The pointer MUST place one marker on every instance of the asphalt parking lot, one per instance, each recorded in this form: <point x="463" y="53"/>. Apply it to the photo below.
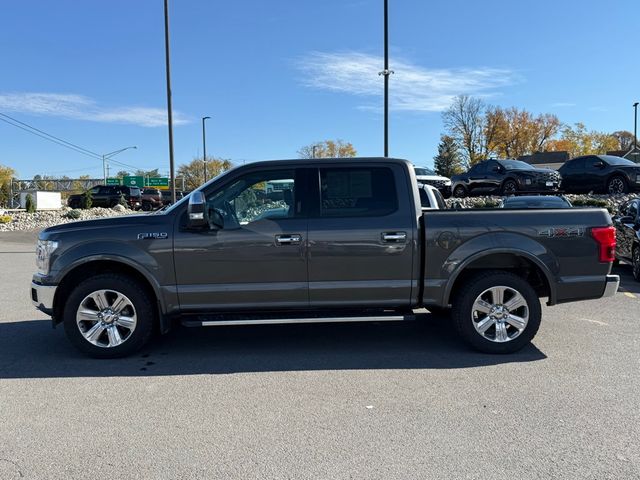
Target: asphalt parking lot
<point x="370" y="401"/>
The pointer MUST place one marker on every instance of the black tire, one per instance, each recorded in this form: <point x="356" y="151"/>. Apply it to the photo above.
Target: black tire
<point x="146" y="206"/>
<point x="617" y="185"/>
<point x="463" y="311"/>
<point x="635" y="263"/>
<point x="143" y="311"/>
<point x="459" y="191"/>
<point x="509" y="187"/>
<point x="74" y="204"/>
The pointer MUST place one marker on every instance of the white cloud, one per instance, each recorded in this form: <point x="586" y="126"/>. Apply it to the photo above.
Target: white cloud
<point x="80" y="107"/>
<point x="412" y="87"/>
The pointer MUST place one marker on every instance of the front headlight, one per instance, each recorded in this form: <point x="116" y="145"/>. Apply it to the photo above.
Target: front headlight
<point x="447" y="183"/>
<point x="44" y="249"/>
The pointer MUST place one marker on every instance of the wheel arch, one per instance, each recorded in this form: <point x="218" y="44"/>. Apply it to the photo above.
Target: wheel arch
<point x="522" y="263"/>
<point x="95" y="266"/>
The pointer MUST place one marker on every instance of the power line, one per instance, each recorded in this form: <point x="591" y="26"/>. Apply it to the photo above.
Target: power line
<point x="50" y="139"/>
<point x="58" y="139"/>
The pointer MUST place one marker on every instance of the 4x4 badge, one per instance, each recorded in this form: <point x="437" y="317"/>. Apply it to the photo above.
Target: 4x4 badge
<point x="154" y="235"/>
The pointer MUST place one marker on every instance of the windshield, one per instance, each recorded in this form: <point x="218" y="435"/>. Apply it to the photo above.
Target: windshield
<point x="424" y="171"/>
<point x="612" y="160"/>
<point x="515" y="165"/>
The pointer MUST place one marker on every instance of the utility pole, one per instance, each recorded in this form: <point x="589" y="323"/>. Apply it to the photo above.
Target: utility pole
<point x="204" y="148"/>
<point x="635" y="126"/>
<point x="313" y="150"/>
<point x="169" y="110"/>
<point x="386" y="72"/>
<point x="107" y="156"/>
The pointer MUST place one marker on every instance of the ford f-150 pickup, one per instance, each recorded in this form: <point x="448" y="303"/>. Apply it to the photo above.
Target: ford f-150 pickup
<point x="332" y="240"/>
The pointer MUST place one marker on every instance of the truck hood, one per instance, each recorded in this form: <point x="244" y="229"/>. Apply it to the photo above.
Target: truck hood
<point x="143" y="220"/>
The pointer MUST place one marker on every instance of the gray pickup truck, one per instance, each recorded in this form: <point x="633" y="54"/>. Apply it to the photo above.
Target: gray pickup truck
<point x="333" y="240"/>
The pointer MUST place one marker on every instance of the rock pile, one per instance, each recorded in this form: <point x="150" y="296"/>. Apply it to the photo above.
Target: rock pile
<point x="24" y="221"/>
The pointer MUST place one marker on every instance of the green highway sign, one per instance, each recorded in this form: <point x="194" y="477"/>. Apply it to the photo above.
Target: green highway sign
<point x="113" y="181"/>
<point x="157" y="182"/>
<point x="133" y="181"/>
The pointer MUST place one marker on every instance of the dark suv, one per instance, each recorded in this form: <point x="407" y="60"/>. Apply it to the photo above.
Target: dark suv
<point x="627" y="223"/>
<point x="504" y="177"/>
<point x="600" y="173"/>
<point x="107" y="196"/>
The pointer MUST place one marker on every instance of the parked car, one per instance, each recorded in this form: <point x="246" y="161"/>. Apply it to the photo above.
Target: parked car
<point x="166" y="196"/>
<point x="355" y="246"/>
<point x="504" y="177"/>
<point x="600" y="173"/>
<point x="151" y="199"/>
<point x="535" y="201"/>
<point x="431" y="198"/>
<point x="627" y="223"/>
<point x="107" y="196"/>
<point x="429" y="177"/>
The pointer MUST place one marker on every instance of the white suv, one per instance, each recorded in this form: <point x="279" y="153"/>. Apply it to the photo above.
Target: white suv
<point x="427" y="176"/>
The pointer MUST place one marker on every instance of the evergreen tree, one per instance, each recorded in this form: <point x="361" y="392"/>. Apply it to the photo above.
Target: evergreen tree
<point x="447" y="163"/>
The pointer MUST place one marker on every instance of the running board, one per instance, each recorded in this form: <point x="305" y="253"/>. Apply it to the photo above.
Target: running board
<point x="281" y="321"/>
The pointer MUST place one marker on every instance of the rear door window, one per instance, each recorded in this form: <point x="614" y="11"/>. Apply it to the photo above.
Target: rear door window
<point x="357" y="192"/>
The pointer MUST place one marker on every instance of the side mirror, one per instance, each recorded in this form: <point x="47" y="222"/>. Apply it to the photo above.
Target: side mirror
<point x="599" y="165"/>
<point x="196" y="211"/>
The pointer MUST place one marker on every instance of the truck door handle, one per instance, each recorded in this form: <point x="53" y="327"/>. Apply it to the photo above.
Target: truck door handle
<point x="293" y="239"/>
<point x="394" y="237"/>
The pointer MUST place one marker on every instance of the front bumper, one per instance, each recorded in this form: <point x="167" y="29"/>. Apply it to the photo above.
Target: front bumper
<point x="611" y="285"/>
<point x="42" y="296"/>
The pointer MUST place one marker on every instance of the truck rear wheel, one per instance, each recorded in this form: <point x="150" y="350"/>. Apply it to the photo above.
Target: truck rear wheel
<point x="497" y="312"/>
<point x="108" y="316"/>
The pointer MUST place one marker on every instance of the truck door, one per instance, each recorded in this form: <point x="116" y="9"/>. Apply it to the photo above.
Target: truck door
<point x="361" y="236"/>
<point x="258" y="259"/>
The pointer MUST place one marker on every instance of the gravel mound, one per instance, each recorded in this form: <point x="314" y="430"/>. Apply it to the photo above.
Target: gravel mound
<point x="23" y="221"/>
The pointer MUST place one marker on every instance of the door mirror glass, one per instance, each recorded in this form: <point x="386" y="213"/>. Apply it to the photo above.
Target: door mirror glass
<point x="599" y="164"/>
<point x="196" y="211"/>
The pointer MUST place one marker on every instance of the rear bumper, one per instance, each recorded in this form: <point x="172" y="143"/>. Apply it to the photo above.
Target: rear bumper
<point x="42" y="297"/>
<point x="611" y="285"/>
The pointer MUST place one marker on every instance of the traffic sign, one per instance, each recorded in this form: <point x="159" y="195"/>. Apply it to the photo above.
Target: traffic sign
<point x="133" y="181"/>
<point x="113" y="181"/>
<point x="157" y="182"/>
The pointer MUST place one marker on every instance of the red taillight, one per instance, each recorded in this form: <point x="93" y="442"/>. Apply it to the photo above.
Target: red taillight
<point x="606" y="238"/>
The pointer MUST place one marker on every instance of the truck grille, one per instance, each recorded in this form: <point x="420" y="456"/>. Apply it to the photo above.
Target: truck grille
<point x="434" y="183"/>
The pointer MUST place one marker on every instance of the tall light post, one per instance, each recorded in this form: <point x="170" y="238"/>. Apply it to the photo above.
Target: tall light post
<point x="169" y="109"/>
<point x="204" y="148"/>
<point x="635" y="126"/>
<point x="386" y="72"/>
<point x="107" y="156"/>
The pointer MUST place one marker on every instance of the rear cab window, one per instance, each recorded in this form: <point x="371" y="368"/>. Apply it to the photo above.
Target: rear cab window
<point x="357" y="192"/>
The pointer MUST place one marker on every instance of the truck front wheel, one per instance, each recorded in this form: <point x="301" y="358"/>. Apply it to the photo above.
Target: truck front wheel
<point x="108" y="316"/>
<point x="497" y="312"/>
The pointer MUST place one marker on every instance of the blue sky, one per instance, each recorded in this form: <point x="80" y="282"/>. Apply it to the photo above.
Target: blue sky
<point x="276" y="75"/>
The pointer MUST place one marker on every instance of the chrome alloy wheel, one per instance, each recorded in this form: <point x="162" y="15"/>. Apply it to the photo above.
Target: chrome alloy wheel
<point x="106" y="318"/>
<point x="500" y="314"/>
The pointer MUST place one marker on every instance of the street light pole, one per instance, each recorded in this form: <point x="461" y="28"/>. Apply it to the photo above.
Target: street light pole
<point x="169" y="109"/>
<point x="204" y="148"/>
<point x="635" y="126"/>
<point x="386" y="72"/>
<point x="107" y="156"/>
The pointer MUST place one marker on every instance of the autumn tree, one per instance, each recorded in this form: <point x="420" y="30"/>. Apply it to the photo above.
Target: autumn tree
<point x="577" y="140"/>
<point x="447" y="163"/>
<point x="6" y="175"/>
<point x="193" y="172"/>
<point x="328" y="149"/>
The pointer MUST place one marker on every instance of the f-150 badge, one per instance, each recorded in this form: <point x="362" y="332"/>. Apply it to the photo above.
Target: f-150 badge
<point x="153" y="236"/>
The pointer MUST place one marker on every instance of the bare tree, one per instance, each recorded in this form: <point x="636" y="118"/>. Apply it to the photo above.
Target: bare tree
<point x="464" y="120"/>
